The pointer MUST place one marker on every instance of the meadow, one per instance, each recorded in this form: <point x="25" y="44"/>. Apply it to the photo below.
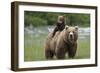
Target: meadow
<point x="34" y="39"/>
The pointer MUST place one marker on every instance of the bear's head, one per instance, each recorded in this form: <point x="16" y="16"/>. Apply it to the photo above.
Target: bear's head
<point x="71" y="33"/>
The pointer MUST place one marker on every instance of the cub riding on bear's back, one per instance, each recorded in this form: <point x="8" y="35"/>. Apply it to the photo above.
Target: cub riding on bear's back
<point x="62" y="42"/>
<point x="60" y="25"/>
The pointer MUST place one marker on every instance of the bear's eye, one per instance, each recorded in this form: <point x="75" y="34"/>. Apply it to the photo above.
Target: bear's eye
<point x="68" y="31"/>
<point x="73" y="31"/>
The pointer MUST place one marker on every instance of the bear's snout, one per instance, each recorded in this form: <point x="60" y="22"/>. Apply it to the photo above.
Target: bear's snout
<point x="71" y="35"/>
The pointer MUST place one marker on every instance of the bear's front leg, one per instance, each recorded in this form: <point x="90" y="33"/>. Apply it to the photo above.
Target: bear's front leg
<point x="72" y="50"/>
<point x="60" y="53"/>
<point x="49" y="54"/>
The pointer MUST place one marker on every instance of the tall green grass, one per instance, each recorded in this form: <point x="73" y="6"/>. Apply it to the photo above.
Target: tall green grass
<point x="34" y="48"/>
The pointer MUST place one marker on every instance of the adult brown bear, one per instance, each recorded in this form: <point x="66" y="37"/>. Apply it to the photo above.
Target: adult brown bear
<point x="63" y="42"/>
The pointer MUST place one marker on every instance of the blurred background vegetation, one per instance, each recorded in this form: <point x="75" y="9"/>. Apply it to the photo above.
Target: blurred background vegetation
<point x="50" y="18"/>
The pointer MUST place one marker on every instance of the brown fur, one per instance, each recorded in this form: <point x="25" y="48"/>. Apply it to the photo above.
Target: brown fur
<point x="60" y="44"/>
<point x="60" y="25"/>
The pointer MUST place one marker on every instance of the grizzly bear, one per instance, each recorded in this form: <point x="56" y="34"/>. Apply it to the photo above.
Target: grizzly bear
<point x="63" y="42"/>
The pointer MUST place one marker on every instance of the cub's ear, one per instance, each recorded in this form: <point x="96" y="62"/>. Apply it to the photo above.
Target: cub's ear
<point x="76" y="28"/>
<point x="66" y="27"/>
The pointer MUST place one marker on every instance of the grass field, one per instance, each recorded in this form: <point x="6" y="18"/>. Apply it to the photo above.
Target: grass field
<point x="34" y="47"/>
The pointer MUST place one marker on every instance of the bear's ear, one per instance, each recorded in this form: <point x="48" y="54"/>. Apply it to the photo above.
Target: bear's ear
<point x="76" y="28"/>
<point x="66" y="27"/>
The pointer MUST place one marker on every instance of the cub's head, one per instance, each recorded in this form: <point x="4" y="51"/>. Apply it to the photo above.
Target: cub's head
<point x="71" y="33"/>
